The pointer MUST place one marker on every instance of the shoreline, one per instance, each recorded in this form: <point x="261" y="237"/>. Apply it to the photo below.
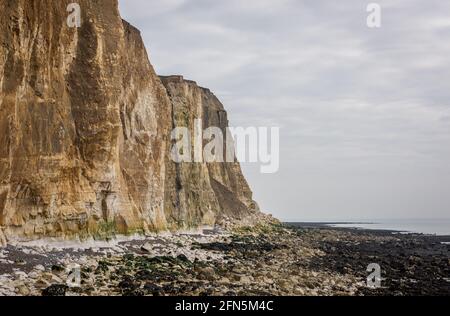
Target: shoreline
<point x="331" y="225"/>
<point x="270" y="260"/>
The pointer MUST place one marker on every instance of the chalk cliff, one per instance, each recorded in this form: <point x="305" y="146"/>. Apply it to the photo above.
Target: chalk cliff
<point x="85" y="127"/>
<point x="203" y="192"/>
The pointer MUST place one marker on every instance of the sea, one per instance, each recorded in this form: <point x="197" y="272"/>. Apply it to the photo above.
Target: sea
<point x="438" y="227"/>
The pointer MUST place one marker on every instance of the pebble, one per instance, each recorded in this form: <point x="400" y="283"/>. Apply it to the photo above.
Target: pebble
<point x="280" y="262"/>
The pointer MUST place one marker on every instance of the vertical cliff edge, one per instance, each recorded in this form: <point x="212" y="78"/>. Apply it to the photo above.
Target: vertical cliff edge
<point x="85" y="128"/>
<point x="203" y="192"/>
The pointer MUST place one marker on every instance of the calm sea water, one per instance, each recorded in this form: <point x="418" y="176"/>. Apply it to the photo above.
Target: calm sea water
<point x="423" y="226"/>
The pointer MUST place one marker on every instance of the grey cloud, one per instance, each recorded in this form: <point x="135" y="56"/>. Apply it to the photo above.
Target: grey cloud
<point x="364" y="112"/>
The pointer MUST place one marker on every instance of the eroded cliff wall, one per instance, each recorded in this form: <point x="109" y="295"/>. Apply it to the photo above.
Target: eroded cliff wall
<point x="85" y="131"/>
<point x="203" y="192"/>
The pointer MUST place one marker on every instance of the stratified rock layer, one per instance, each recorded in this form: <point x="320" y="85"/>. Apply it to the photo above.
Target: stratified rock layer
<point x="84" y="131"/>
<point x="203" y="192"/>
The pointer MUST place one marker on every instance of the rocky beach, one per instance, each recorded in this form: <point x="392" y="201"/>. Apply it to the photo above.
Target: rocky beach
<point x="97" y="199"/>
<point x="267" y="260"/>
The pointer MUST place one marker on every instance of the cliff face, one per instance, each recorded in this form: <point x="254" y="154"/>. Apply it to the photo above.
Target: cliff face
<point x="202" y="192"/>
<point x="85" y="131"/>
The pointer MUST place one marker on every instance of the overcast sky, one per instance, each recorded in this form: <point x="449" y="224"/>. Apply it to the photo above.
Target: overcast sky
<point x="364" y="113"/>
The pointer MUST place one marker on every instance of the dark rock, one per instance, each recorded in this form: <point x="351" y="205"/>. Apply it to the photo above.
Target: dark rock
<point x="58" y="268"/>
<point x="55" y="290"/>
<point x="128" y="283"/>
<point x="153" y="289"/>
<point x="183" y="258"/>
